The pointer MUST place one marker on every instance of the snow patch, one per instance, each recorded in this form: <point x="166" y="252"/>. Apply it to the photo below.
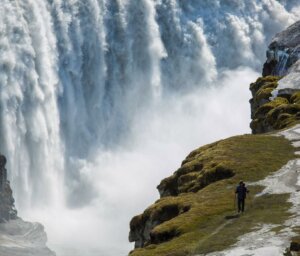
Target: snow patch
<point x="261" y="242"/>
<point x="296" y="144"/>
<point x="292" y="79"/>
<point x="280" y="182"/>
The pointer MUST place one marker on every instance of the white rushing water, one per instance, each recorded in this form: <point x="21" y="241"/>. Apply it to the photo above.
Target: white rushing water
<point x="101" y="99"/>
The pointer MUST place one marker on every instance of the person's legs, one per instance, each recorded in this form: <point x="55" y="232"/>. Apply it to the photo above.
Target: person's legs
<point x="243" y="204"/>
<point x="239" y="205"/>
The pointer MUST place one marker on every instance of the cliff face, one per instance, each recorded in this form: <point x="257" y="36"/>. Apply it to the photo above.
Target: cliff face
<point x="18" y="237"/>
<point x="195" y="214"/>
<point x="7" y="208"/>
<point x="276" y="96"/>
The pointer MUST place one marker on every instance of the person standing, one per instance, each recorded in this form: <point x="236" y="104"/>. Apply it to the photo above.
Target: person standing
<point x="241" y="193"/>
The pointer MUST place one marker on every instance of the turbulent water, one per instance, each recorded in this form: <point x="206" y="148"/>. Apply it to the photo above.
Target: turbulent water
<point x="96" y="94"/>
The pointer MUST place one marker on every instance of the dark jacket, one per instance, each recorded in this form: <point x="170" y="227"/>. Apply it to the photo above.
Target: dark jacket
<point x="241" y="192"/>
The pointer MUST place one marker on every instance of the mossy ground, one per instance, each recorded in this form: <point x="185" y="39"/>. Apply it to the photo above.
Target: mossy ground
<point x="251" y="157"/>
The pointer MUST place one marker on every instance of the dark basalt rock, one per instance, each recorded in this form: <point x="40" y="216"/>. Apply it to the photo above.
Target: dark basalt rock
<point x="295" y="247"/>
<point x="17" y="236"/>
<point x="142" y="226"/>
<point x="7" y="208"/>
<point x="269" y="67"/>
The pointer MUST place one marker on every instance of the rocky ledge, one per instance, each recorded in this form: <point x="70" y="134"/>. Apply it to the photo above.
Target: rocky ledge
<point x="273" y="109"/>
<point x="275" y="102"/>
<point x="17" y="237"/>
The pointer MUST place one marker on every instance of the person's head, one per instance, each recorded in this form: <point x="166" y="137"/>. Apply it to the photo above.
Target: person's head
<point x="241" y="183"/>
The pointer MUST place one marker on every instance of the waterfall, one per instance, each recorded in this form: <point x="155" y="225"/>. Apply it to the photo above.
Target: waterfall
<point x="283" y="58"/>
<point x="30" y="121"/>
<point x="76" y="75"/>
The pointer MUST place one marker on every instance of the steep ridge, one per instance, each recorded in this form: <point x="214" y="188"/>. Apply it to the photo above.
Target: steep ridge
<point x="196" y="213"/>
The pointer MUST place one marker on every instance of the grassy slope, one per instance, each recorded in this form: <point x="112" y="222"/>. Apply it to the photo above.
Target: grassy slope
<point x="251" y="157"/>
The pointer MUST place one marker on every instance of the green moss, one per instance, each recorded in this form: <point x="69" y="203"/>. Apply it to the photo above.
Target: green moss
<point x="267" y="107"/>
<point x="284" y="115"/>
<point x="264" y="80"/>
<point x="194" y="174"/>
<point x="277" y="114"/>
<point x="273" y="114"/>
<point x="265" y="89"/>
<point x="263" y="94"/>
<point x="251" y="158"/>
<point x="295" y="98"/>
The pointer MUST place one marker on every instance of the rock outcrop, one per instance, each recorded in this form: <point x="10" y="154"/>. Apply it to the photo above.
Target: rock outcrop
<point x="17" y="237"/>
<point x="7" y="208"/>
<point x="193" y="176"/>
<point x="283" y="51"/>
<point x="275" y="102"/>
<point x="271" y="112"/>
<point x="142" y="226"/>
